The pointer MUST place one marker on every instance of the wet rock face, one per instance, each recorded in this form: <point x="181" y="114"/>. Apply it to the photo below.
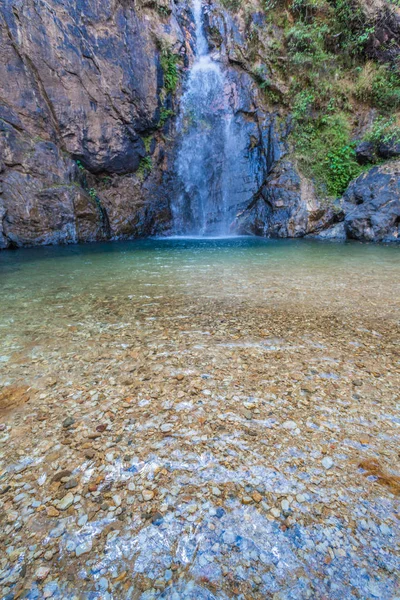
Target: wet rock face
<point x="82" y="94"/>
<point x="86" y="76"/>
<point x="81" y="83"/>
<point x="371" y="205"/>
<point x="287" y="206"/>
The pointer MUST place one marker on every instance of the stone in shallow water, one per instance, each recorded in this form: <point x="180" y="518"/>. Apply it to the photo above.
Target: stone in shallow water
<point x="51" y="511"/>
<point x="148" y="495"/>
<point x="83" y="548"/>
<point x="327" y="462"/>
<point x="41" y="573"/>
<point x="68" y="422"/>
<point x="66" y="502"/>
<point x="165" y="427"/>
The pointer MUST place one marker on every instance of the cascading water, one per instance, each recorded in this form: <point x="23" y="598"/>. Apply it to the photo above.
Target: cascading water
<point x="201" y="206"/>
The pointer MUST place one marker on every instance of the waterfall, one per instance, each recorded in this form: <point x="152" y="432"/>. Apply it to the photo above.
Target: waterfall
<point x="201" y="206"/>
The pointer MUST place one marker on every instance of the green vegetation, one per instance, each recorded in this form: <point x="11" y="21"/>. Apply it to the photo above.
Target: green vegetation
<point x="165" y="114"/>
<point x="170" y="70"/>
<point x="147" y="142"/>
<point x="324" y="150"/>
<point x="317" y="68"/>
<point x="384" y="130"/>
<point x="145" y="167"/>
<point x="379" y="86"/>
<point x="232" y="5"/>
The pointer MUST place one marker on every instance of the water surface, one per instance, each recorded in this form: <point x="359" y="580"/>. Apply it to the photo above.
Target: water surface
<point x="222" y="412"/>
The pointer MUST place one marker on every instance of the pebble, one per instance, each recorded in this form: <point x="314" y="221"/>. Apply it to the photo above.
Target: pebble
<point x="71" y="483"/>
<point x="165" y="427"/>
<point x="68" y="422"/>
<point x="117" y="500"/>
<point x="327" y="462"/>
<point x="103" y="584"/>
<point x="285" y="505"/>
<point x="66" y="501"/>
<point x="147" y="495"/>
<point x="41" y="573"/>
<point x="83" y="548"/>
<point x="216" y="491"/>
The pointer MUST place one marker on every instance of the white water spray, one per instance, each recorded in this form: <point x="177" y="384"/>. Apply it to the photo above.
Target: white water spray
<point x="203" y="161"/>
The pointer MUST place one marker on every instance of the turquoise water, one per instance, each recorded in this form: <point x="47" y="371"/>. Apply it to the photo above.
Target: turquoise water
<point x="237" y="269"/>
<point x="222" y="373"/>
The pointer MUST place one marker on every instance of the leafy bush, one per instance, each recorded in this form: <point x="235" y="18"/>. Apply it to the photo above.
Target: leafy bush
<point x="343" y="167"/>
<point x="165" y="114"/>
<point x="323" y="148"/>
<point x="233" y="5"/>
<point x="170" y="70"/>
<point x="145" y="167"/>
<point x="378" y="85"/>
<point x="384" y="130"/>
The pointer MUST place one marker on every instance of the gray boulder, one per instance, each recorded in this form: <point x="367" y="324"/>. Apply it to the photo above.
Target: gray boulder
<point x="371" y="205"/>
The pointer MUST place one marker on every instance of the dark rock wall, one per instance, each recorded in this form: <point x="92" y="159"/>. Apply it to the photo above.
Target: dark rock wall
<point x="81" y="94"/>
<point x="80" y="81"/>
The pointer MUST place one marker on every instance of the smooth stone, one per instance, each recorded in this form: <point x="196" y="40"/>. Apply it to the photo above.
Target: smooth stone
<point x="66" y="502"/>
<point x="148" y="495"/>
<point x="327" y="462"/>
<point x="165" y="427"/>
<point x="41" y="573"/>
<point x="83" y="548"/>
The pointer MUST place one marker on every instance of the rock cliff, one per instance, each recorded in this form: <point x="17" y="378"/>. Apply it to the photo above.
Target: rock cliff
<point x="90" y="93"/>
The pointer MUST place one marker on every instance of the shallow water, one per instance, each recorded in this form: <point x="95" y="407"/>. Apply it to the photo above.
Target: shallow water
<point x="215" y="375"/>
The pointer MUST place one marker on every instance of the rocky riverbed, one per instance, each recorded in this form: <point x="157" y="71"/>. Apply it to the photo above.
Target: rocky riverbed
<point x="206" y="424"/>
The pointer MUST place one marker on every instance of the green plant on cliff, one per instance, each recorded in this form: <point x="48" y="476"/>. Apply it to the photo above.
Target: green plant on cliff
<point x="233" y="5"/>
<point x="323" y="147"/>
<point x="145" y="167"/>
<point x="378" y="85"/>
<point x="168" y="63"/>
<point x="165" y="114"/>
<point x="383" y="130"/>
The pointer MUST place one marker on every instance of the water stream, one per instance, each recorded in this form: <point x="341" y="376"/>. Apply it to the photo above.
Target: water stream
<point x="207" y="151"/>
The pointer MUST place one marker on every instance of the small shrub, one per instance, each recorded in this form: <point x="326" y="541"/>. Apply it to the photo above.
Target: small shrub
<point x="170" y="70"/>
<point x="378" y="85"/>
<point x="165" y="114"/>
<point x="323" y="148"/>
<point x="384" y="130"/>
<point x="343" y="167"/>
<point x="232" y="5"/>
<point x="145" y="167"/>
<point x="147" y="142"/>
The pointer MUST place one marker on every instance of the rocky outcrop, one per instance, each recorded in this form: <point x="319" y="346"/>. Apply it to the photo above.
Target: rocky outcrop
<point x="88" y="134"/>
<point x="371" y="205"/>
<point x="82" y="84"/>
<point x="287" y="206"/>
